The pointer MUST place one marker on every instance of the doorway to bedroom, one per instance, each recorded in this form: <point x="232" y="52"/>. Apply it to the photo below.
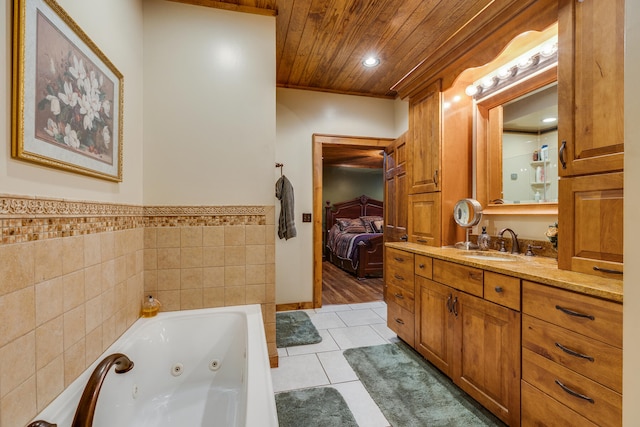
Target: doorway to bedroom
<point x="345" y="168"/>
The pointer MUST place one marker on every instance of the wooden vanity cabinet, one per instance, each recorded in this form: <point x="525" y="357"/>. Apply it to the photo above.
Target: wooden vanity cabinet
<point x="474" y="341"/>
<point x="571" y="358"/>
<point x="400" y="293"/>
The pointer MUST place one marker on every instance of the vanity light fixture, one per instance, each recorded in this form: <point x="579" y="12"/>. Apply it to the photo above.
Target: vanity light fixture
<point x="371" y="62"/>
<point x="528" y="64"/>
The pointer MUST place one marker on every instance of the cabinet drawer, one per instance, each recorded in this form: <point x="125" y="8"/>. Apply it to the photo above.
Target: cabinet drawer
<point x="399" y="269"/>
<point x="590" y="399"/>
<point x="501" y="289"/>
<point x="586" y="315"/>
<point x="424" y="266"/>
<point x="538" y="409"/>
<point x="402" y="322"/>
<point x="401" y="297"/>
<point x="591" y="358"/>
<point x="467" y="279"/>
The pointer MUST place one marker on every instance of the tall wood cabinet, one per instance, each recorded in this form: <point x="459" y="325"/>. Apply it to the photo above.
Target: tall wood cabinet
<point x="591" y="135"/>
<point x="395" y="188"/>
<point x="439" y="163"/>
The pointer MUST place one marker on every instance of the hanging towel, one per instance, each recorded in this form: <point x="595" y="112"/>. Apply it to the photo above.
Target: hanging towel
<point x="286" y="224"/>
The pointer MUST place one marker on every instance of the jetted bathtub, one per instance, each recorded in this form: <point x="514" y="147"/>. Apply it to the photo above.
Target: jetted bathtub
<point x="206" y="367"/>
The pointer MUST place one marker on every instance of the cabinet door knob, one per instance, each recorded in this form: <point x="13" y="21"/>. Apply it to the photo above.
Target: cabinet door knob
<point x="499" y="289"/>
<point x="398" y="295"/>
<point x="399" y="277"/>
<point x="420" y="265"/>
<point x="400" y="321"/>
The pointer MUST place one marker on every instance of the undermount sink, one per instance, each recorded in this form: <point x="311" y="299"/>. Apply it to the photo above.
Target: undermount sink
<point x="491" y="256"/>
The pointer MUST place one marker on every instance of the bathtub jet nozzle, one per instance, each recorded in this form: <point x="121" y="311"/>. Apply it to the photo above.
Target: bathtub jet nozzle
<point x="87" y="405"/>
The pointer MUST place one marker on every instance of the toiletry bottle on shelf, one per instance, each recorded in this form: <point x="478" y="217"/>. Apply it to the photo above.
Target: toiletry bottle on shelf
<point x="484" y="240"/>
<point x="539" y="174"/>
<point x="544" y="153"/>
<point x="536" y="197"/>
<point x="150" y="306"/>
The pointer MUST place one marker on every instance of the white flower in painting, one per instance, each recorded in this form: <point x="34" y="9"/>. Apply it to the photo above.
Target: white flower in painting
<point x="106" y="136"/>
<point x="52" y="66"/>
<point x="106" y="107"/>
<point x="52" y="128"/>
<point x="69" y="97"/>
<point x="78" y="71"/>
<point x="55" y="104"/>
<point x="71" y="137"/>
<point x="87" y="110"/>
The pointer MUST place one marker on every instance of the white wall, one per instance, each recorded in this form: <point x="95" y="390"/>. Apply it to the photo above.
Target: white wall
<point x="209" y="106"/>
<point x="116" y="28"/>
<point x="631" y="352"/>
<point x="300" y="114"/>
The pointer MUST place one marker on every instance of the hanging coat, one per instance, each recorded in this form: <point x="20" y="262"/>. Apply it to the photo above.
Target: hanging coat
<point x="286" y="224"/>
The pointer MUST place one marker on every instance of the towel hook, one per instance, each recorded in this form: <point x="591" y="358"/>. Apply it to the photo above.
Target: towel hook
<point x="280" y="165"/>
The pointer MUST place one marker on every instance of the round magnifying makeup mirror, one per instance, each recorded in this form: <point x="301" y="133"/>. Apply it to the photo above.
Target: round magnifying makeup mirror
<point x="467" y="213"/>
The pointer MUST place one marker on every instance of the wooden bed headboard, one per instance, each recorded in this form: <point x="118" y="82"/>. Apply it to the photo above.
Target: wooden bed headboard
<point x="355" y="208"/>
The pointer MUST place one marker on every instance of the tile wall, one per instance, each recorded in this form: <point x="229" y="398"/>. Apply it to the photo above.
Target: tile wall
<point x="201" y="257"/>
<point x="73" y="274"/>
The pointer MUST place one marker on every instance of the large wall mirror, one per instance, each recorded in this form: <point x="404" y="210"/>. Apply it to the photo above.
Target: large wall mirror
<point x="517" y="147"/>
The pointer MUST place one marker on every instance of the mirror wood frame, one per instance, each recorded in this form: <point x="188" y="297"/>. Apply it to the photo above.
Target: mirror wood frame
<point x="489" y="149"/>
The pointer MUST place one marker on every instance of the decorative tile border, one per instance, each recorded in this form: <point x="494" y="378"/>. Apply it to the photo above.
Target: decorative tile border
<point x="20" y="207"/>
<point x="25" y="219"/>
<point x="203" y="210"/>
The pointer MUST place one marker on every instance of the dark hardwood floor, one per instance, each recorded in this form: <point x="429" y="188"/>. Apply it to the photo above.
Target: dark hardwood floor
<point x="340" y="287"/>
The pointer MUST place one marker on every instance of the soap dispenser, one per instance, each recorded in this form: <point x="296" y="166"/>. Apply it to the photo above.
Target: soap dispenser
<point x="150" y="306"/>
<point x="484" y="240"/>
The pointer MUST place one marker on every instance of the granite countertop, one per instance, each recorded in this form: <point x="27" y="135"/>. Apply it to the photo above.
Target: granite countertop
<point x="536" y="269"/>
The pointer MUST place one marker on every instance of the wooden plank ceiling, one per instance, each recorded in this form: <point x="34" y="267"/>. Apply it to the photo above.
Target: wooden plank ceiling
<point x="321" y="43"/>
<point x="352" y="156"/>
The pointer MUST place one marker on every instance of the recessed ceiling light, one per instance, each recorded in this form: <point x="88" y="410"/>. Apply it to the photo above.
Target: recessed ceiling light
<point x="371" y="62"/>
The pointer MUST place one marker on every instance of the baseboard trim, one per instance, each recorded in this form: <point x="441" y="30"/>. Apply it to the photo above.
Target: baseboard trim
<point x="295" y="306"/>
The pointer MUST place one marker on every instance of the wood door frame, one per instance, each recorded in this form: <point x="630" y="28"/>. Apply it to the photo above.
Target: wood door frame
<point x="318" y="141"/>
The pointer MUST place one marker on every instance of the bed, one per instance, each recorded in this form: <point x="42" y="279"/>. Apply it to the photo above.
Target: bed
<point x="353" y="236"/>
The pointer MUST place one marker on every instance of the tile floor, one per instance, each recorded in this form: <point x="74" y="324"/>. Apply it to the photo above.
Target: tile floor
<point x="322" y="364"/>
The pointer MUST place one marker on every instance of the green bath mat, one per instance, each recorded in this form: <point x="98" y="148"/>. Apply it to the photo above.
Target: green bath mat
<point x="314" y="407"/>
<point x="295" y="328"/>
<point x="411" y="392"/>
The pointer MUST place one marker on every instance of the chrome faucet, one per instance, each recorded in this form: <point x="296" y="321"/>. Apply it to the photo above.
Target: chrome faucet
<point x="87" y="406"/>
<point x="515" y="247"/>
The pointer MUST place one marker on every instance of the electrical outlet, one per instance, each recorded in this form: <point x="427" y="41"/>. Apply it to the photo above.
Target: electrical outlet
<point x="306" y="217"/>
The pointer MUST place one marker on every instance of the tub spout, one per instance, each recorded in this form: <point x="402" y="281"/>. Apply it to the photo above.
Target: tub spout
<point x="87" y="406"/>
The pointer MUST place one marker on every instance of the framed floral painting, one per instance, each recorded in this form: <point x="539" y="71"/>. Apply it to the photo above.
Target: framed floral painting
<point x="67" y="95"/>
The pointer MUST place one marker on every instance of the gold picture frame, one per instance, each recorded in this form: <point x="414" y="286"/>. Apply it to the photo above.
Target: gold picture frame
<point x="67" y="96"/>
